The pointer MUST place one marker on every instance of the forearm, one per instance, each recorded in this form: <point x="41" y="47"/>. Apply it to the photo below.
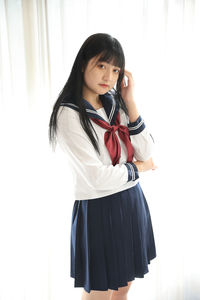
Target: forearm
<point x="132" y="111"/>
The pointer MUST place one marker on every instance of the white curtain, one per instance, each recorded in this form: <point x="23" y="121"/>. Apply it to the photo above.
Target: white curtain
<point x="39" y="41"/>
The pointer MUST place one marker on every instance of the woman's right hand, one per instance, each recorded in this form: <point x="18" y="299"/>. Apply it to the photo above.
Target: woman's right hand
<point x="145" y="165"/>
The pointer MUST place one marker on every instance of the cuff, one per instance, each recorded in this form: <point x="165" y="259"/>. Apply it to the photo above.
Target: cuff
<point x="136" y="127"/>
<point x="133" y="172"/>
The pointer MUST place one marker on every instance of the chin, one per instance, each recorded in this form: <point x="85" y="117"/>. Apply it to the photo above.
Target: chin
<point x="102" y="92"/>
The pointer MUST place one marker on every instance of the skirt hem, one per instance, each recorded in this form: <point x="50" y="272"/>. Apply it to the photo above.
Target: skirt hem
<point x="112" y="286"/>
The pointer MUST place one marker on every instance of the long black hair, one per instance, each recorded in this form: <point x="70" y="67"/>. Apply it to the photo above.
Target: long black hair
<point x="109" y="49"/>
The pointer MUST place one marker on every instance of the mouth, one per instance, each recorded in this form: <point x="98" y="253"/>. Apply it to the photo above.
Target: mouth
<point x="104" y="85"/>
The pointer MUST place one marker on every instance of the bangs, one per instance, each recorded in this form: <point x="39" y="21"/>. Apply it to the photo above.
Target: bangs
<point x="112" y="56"/>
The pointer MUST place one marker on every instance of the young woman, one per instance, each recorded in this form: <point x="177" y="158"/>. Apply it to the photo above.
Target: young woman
<point x="112" y="240"/>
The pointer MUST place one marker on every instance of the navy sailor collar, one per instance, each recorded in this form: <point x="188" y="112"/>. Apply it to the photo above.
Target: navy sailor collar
<point x="109" y="103"/>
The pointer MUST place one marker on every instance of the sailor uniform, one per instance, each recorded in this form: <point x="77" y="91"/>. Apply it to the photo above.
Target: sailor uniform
<point x="112" y="239"/>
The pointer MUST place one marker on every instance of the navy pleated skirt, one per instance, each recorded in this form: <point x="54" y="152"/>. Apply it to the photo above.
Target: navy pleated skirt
<point x="112" y="240"/>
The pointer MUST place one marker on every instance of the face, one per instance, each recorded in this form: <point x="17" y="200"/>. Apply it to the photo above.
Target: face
<point x="97" y="74"/>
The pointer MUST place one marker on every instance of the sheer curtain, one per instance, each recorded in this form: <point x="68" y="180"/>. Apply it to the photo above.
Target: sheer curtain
<point x="38" y="44"/>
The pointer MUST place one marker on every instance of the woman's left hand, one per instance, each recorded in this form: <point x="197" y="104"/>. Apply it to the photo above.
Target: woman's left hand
<point x="127" y="91"/>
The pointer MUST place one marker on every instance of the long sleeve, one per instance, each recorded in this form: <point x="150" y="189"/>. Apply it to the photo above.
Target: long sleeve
<point x="84" y="158"/>
<point x="141" y="139"/>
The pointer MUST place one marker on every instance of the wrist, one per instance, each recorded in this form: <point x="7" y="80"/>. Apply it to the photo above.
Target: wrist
<point x="139" y="166"/>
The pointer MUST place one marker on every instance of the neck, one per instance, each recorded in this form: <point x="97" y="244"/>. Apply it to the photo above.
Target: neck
<point x="91" y="97"/>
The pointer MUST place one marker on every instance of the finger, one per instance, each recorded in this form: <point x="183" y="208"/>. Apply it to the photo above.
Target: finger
<point x="122" y="83"/>
<point x="128" y="74"/>
<point x="154" y="168"/>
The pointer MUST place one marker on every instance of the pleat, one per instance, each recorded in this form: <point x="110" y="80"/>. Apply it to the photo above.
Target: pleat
<point x="112" y="240"/>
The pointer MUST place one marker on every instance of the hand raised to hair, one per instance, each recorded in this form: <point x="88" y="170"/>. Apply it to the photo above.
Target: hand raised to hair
<point x="127" y="91"/>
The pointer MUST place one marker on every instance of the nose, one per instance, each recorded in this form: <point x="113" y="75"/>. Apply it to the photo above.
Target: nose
<point x="107" y="76"/>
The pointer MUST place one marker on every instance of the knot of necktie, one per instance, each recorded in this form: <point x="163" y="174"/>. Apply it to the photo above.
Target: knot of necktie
<point x="112" y="142"/>
<point x="113" y="128"/>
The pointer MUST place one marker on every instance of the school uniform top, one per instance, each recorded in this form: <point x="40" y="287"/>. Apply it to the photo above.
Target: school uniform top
<point x="95" y="175"/>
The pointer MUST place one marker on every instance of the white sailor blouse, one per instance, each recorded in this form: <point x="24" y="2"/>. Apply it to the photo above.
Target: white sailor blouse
<point x="95" y="175"/>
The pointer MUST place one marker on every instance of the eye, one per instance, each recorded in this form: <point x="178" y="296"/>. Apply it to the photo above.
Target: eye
<point x="117" y="70"/>
<point x="101" y="65"/>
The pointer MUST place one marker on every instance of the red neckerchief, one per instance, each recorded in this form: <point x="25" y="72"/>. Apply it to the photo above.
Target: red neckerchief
<point x="111" y="140"/>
